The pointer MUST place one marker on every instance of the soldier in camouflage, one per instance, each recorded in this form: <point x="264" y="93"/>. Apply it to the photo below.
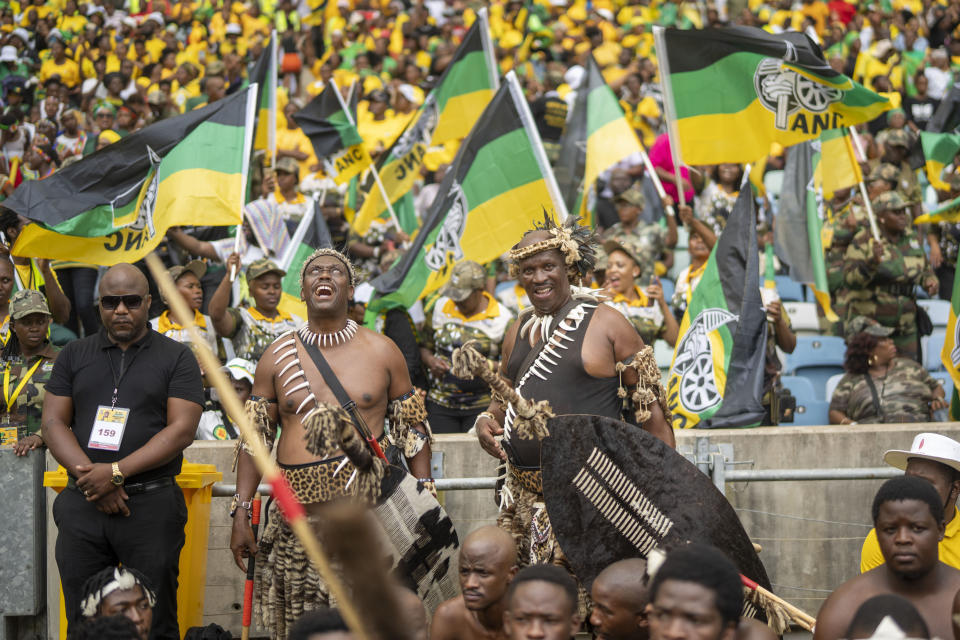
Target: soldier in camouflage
<point x="882" y="276"/>
<point x="903" y="391"/>
<point x="651" y="240"/>
<point x="896" y="151"/>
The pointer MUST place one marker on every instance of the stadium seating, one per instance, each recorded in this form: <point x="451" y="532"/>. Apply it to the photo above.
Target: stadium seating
<point x="681" y="259"/>
<point x="932" y="345"/>
<point x="832" y="383"/>
<point x="945" y="381"/>
<point x="803" y="317"/>
<point x="811" y="410"/>
<point x="789" y="289"/>
<point x="816" y="358"/>
<point x="938" y="310"/>
<point x="668" y="288"/>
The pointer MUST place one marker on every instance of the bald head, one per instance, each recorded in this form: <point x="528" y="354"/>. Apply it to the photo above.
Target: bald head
<point x="123" y="279"/>
<point x="626" y="578"/>
<point x="619" y="599"/>
<point x="491" y="541"/>
<point x="488" y="562"/>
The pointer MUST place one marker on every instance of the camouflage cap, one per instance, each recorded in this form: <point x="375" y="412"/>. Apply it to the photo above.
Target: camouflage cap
<point x="863" y="324"/>
<point x="196" y="267"/>
<point x="467" y="277"/>
<point x="27" y="301"/>
<point x="633" y="195"/>
<point x="263" y="266"/>
<point x="954" y="181"/>
<point x="898" y="138"/>
<point x="288" y="165"/>
<point x="628" y="246"/>
<point x="884" y="171"/>
<point x="889" y="201"/>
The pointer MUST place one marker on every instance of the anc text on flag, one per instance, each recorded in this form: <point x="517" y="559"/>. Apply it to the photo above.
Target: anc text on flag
<point x="333" y="134"/>
<point x="596" y="137"/>
<point x="737" y="89"/>
<point x="489" y="197"/>
<point x="116" y="204"/>
<point x="939" y="150"/>
<point x="716" y="379"/>
<point x="448" y="113"/>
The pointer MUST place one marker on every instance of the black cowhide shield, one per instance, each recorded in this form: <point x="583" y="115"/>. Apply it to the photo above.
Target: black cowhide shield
<point x="424" y="542"/>
<point x="614" y="491"/>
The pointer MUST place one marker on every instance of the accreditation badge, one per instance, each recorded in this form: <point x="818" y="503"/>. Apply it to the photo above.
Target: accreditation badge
<point x="107" y="432"/>
<point x="9" y="434"/>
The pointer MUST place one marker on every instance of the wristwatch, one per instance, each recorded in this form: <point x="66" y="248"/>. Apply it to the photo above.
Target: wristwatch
<point x="117" y="477"/>
<point x="236" y="503"/>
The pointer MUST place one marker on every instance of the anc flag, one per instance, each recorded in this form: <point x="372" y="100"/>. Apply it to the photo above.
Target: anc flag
<point x="946" y="212"/>
<point x="950" y="356"/>
<point x="716" y="379"/>
<point x="797" y="232"/>
<point x="326" y="120"/>
<point x="264" y="73"/>
<point x="597" y="136"/>
<point x="116" y="204"/>
<point x="495" y="188"/>
<point x="939" y="150"/>
<point x="731" y="92"/>
<point x="838" y="167"/>
<point x="448" y="113"/>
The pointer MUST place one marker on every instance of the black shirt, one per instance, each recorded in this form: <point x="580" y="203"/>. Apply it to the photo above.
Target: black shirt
<point x="550" y="115"/>
<point x="154" y="369"/>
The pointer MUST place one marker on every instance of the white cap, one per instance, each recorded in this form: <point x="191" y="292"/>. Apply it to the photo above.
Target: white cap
<point x="240" y="369"/>
<point x="233" y="29"/>
<point x="8" y="54"/>
<point x="407" y="92"/>
<point x="21" y="33"/>
<point x="574" y="75"/>
<point x="157" y="17"/>
<point x="928" y="446"/>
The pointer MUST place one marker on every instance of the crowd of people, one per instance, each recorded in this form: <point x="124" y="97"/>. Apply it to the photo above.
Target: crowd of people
<point x="100" y="355"/>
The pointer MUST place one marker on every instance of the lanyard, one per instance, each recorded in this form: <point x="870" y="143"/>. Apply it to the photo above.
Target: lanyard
<point x="16" y="392"/>
<point x="118" y="377"/>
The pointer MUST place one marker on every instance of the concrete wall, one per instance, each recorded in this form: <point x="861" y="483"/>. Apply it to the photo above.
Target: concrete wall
<point x="810" y="532"/>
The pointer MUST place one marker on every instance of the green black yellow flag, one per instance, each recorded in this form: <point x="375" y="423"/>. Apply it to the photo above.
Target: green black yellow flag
<point x="717" y="375"/>
<point x="117" y="204"/>
<point x="327" y="122"/>
<point x="950" y="356"/>
<point x="733" y="91"/>
<point x="596" y="137"/>
<point x="939" y="150"/>
<point x="947" y="212"/>
<point x="498" y="184"/>
<point x="448" y="113"/>
<point x="264" y="74"/>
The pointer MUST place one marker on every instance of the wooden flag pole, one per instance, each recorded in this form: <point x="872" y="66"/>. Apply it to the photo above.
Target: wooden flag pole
<point x="863" y="188"/>
<point x="657" y="183"/>
<point x="669" y="110"/>
<point x="291" y="509"/>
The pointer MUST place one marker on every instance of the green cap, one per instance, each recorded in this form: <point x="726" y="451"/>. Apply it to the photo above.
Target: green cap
<point x="898" y="138"/>
<point x="27" y="301"/>
<point x="884" y="171"/>
<point x="889" y="201"/>
<point x="863" y="324"/>
<point x="263" y="266"/>
<point x="633" y="195"/>
<point x="196" y="267"/>
<point x="467" y="277"/>
<point x="629" y="247"/>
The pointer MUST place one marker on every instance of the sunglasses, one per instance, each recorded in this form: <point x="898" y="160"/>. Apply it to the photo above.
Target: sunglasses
<point x="110" y="303"/>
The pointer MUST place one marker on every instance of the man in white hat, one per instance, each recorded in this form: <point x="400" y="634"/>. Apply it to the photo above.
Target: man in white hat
<point x="934" y="458"/>
<point x="215" y="424"/>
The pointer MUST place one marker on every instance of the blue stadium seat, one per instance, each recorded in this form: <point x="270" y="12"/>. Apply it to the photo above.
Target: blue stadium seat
<point x="945" y="381"/>
<point x="811" y="410"/>
<point x="932" y="346"/>
<point x="681" y="260"/>
<point x="938" y="310"/>
<point x="663" y="353"/>
<point x="803" y="317"/>
<point x="668" y="288"/>
<point x="832" y="383"/>
<point x="816" y="358"/>
<point x="789" y="289"/>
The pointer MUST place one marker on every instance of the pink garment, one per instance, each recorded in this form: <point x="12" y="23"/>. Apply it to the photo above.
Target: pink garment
<point x="661" y="159"/>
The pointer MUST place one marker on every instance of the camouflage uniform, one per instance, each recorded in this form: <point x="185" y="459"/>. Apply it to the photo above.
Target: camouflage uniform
<point x="837" y="235"/>
<point x="644" y="314"/>
<point x="254" y="332"/>
<point x="28" y="406"/>
<point x="649" y="240"/>
<point x="905" y="394"/>
<point x="885" y="290"/>
<point x="907" y="182"/>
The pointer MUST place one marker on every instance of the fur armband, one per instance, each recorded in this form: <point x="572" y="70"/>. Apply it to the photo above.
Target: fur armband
<point x="405" y="412"/>
<point x="648" y="388"/>
<point x="256" y="410"/>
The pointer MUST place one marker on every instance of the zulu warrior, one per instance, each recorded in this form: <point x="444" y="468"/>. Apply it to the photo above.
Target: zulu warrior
<point x="581" y="356"/>
<point x="305" y="381"/>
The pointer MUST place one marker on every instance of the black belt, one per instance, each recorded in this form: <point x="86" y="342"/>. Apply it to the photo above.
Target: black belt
<point x="133" y="487"/>
<point x="898" y="289"/>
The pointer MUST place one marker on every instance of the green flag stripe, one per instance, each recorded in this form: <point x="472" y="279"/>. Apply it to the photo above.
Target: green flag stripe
<point x="207" y="147"/>
<point x="471" y="75"/>
<point x="723" y="87"/>
<point x="941" y="147"/>
<point x="504" y="165"/>
<point x="602" y="109"/>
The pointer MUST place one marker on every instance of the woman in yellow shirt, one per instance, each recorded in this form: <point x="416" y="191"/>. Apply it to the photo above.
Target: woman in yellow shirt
<point x="60" y="65"/>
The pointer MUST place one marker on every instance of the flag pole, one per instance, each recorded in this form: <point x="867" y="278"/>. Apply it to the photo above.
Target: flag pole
<point x="516" y="93"/>
<point x="863" y="188"/>
<point x="669" y="108"/>
<point x="250" y="129"/>
<point x="376" y="172"/>
<point x="648" y="165"/>
<point x="488" y="48"/>
<point x="273" y="74"/>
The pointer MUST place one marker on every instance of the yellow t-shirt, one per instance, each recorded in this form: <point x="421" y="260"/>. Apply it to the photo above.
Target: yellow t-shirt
<point x="870" y="556"/>
<point x="69" y="71"/>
